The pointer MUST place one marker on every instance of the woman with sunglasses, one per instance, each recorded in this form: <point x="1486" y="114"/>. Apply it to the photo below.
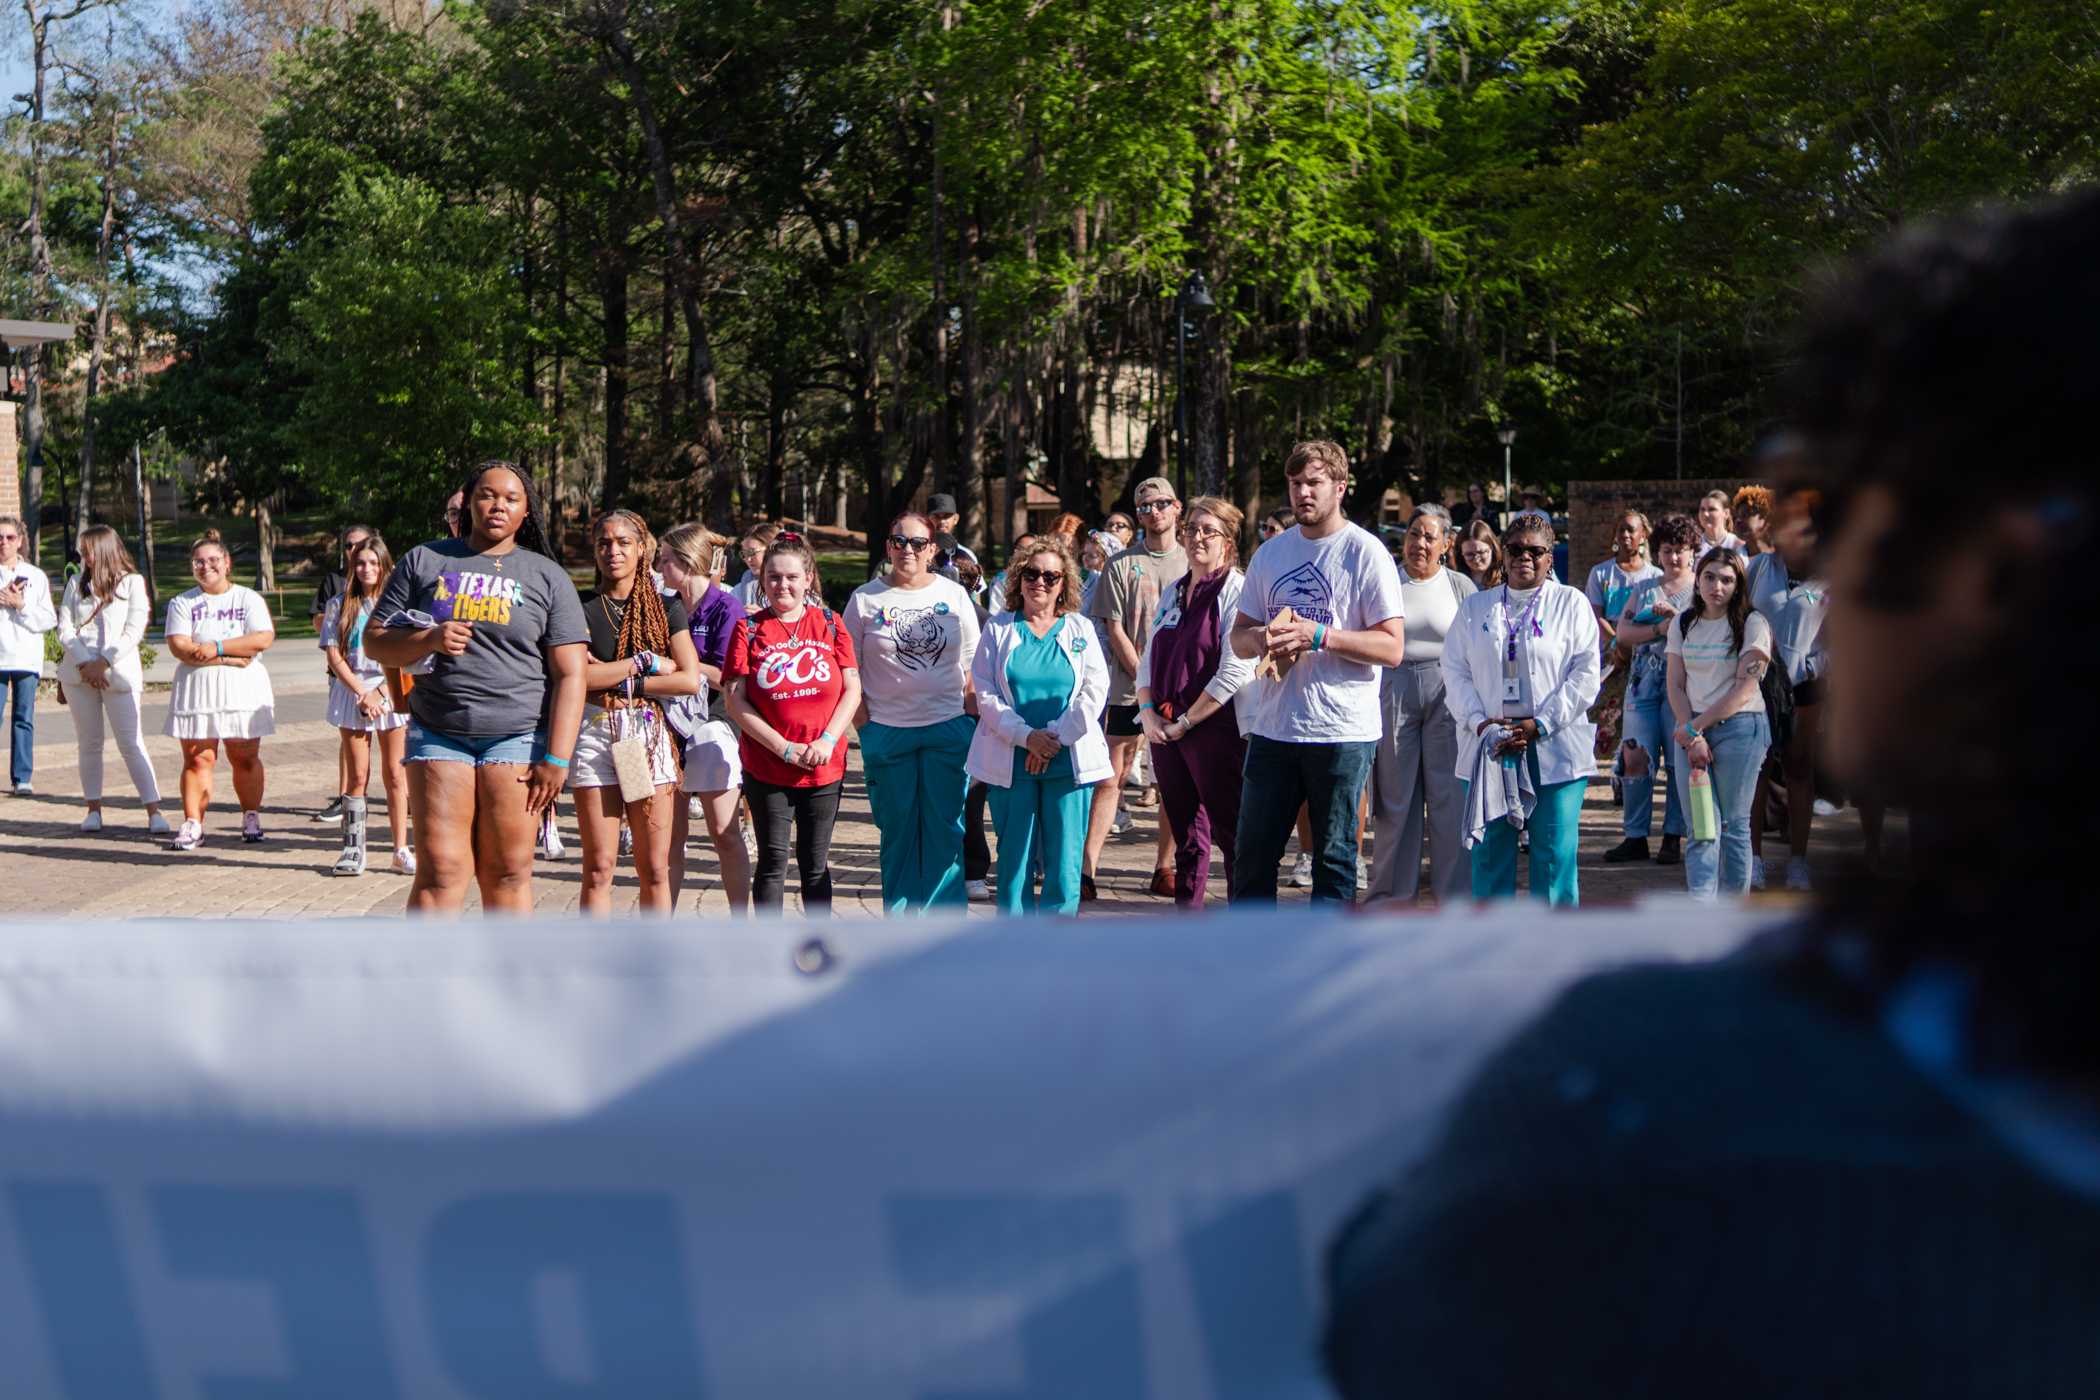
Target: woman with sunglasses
<point x="794" y="684"/>
<point x="915" y="633"/>
<point x="1521" y="671"/>
<point x="1041" y="681"/>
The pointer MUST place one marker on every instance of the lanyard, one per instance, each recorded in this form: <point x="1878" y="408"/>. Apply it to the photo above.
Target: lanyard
<point x="1530" y="615"/>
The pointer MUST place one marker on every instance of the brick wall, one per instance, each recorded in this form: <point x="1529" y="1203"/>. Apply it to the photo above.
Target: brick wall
<point x="1594" y="508"/>
<point x="10" y="463"/>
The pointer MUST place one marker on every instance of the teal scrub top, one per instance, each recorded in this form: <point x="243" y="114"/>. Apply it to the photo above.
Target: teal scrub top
<point x="1040" y="677"/>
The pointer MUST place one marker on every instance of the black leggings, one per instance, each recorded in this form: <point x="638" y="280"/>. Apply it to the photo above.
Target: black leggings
<point x="807" y="814"/>
<point x="977" y="852"/>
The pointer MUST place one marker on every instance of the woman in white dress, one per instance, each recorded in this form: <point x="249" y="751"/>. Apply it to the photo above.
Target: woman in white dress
<point x="359" y="706"/>
<point x="217" y="632"/>
<point x="101" y="621"/>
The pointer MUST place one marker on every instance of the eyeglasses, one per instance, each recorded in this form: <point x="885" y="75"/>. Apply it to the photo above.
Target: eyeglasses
<point x="1530" y="551"/>
<point x="1205" y="532"/>
<point x="907" y="542"/>
<point x="1154" y="507"/>
<point x="1049" y="578"/>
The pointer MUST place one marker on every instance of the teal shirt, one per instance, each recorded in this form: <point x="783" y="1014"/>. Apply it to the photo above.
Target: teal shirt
<point x="1040" y="677"/>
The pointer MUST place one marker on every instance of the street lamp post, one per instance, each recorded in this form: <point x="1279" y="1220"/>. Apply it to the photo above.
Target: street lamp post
<point x="1508" y="438"/>
<point x="1193" y="298"/>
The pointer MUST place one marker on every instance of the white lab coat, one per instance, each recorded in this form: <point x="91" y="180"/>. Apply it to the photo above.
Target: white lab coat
<point x="1000" y="728"/>
<point x="1563" y="672"/>
<point x="22" y="629"/>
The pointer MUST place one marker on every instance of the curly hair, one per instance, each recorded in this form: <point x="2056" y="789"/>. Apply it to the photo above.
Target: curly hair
<point x="1674" y="532"/>
<point x="1756" y="499"/>
<point x="643" y="625"/>
<point x="1068" y="596"/>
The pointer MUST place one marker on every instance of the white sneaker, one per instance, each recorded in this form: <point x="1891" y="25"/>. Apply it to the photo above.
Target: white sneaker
<point x="157" y="825"/>
<point x="1121" y="824"/>
<point x="1301" y="873"/>
<point x="24" y="790"/>
<point x="190" y="837"/>
<point x="404" y="861"/>
<point x="1363" y="875"/>
<point x="90" y="824"/>
<point x="550" y="836"/>
<point x="1757" y="874"/>
<point x="626" y="840"/>
<point x="1797" y="874"/>
<point x="693" y="810"/>
<point x="977" y="889"/>
<point x="1826" y="809"/>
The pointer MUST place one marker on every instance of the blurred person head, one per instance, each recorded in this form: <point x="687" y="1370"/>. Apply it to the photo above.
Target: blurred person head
<point x="1750" y="512"/>
<point x="1480" y="553"/>
<point x="1276" y="522"/>
<point x="1121" y="526"/>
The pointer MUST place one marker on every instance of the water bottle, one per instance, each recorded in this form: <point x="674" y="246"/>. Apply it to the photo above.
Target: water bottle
<point x="1706" y="823"/>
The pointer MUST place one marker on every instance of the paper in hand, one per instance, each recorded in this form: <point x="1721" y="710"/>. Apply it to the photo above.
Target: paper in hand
<point x="1270" y="666"/>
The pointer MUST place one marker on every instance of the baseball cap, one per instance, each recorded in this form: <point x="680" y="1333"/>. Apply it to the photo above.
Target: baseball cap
<point x="941" y="503"/>
<point x="1157" y="484"/>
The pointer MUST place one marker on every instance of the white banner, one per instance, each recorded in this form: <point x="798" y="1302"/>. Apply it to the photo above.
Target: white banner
<point x="1005" y="1162"/>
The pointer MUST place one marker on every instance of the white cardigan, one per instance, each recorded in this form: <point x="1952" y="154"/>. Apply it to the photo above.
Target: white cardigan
<point x="1000" y="728"/>
<point x="1233" y="671"/>
<point x="114" y="634"/>
<point x="22" y="629"/>
<point x="1563" y="672"/>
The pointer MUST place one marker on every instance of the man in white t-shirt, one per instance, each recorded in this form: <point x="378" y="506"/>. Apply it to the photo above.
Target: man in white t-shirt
<point x="1317" y="728"/>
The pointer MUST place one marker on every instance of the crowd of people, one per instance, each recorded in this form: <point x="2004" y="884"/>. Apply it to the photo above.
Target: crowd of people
<point x="1446" y="696"/>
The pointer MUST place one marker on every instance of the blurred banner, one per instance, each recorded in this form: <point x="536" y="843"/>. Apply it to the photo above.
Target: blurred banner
<point x="881" y="1161"/>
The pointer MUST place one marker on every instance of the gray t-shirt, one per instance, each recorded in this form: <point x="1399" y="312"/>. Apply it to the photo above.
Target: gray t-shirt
<point x="521" y="604"/>
<point x="1128" y="592"/>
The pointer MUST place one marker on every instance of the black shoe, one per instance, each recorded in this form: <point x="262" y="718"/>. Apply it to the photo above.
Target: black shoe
<point x="1631" y="849"/>
<point x="333" y="812"/>
<point x="1087" y="893"/>
<point x="1669" y="854"/>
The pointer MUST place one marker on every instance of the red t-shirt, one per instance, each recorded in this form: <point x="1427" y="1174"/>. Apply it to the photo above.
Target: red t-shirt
<point x="795" y="677"/>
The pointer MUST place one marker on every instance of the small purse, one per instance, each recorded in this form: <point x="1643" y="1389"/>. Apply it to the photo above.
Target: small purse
<point x="630" y="756"/>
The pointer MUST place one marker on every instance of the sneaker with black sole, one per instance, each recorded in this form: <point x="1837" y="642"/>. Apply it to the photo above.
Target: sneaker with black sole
<point x="333" y="812"/>
<point x="1671" y="852"/>
<point x="251" y="827"/>
<point x="1631" y="849"/>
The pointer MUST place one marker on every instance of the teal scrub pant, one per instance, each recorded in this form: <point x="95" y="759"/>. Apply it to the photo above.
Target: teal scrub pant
<point x="1556" y="837"/>
<point x="1044" y="816"/>
<point x="915" y="789"/>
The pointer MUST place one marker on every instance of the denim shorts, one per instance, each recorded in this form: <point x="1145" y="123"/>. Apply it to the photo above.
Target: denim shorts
<point x="436" y="746"/>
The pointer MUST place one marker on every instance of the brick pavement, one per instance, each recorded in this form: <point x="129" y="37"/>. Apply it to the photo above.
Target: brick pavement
<point x="47" y="867"/>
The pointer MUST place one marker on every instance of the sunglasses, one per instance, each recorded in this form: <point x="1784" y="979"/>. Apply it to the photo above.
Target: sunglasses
<point x="1049" y="578"/>
<point x="907" y="542"/>
<point x="1530" y="551"/>
<point x="1154" y="507"/>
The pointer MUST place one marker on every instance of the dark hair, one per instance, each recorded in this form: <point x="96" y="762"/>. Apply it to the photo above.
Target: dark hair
<point x="1738" y="601"/>
<point x="210" y="539"/>
<point x="1674" y="532"/>
<point x="532" y="530"/>
<point x="1958" y="344"/>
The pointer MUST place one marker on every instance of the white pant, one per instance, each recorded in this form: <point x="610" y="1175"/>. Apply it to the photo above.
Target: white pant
<point x="121" y="707"/>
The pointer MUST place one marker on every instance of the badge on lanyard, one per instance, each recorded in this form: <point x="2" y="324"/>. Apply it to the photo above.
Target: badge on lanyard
<point x="1512" y="688"/>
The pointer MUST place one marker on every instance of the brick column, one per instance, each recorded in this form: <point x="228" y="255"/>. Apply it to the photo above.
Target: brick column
<point x="10" y="464"/>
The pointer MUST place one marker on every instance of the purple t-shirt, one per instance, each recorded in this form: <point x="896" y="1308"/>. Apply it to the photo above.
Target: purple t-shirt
<point x="714" y="620"/>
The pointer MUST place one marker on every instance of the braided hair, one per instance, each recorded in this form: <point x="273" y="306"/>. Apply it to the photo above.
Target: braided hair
<point x="643" y="625"/>
<point x="532" y="530"/>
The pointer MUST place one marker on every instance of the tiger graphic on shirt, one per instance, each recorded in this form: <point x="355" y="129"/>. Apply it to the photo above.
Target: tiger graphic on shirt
<point x="462" y="596"/>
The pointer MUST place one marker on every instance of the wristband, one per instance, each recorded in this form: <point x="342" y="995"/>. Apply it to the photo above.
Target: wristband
<point x="1146" y="705"/>
<point x="1319" y="636"/>
<point x="557" y="762"/>
<point x="220" y="648"/>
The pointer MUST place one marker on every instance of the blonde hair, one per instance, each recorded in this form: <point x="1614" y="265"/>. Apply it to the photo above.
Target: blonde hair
<point x="1322" y="453"/>
<point x="1068" y="596"/>
<point x="700" y="550"/>
<point x="1230" y="518"/>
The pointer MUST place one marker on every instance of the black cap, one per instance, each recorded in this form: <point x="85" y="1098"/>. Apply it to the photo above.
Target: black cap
<point x="941" y="503"/>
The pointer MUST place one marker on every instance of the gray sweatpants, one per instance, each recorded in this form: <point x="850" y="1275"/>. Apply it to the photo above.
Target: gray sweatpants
<point x="1416" y="772"/>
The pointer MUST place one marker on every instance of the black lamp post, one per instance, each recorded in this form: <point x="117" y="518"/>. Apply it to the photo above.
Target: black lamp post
<point x="1193" y="299"/>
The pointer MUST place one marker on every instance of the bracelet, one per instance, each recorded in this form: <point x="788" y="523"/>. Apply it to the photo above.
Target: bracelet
<point x="1319" y="636"/>
<point x="221" y="649"/>
<point x="557" y="762"/>
<point x="1146" y="705"/>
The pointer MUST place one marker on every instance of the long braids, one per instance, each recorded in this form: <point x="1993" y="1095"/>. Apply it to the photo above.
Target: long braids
<point x="532" y="530"/>
<point x="644" y="625"/>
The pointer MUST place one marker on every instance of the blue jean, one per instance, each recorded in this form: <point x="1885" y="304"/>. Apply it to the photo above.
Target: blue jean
<point x="1041" y="820"/>
<point x="916" y="785"/>
<point x="1647" y="722"/>
<point x="1276" y="779"/>
<point x="1556" y="841"/>
<point x="1723" y="866"/>
<point x="21" y="686"/>
<point x="481" y="750"/>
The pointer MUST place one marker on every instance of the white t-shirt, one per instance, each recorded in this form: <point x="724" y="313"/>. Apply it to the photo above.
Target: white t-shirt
<point x="914" y="647"/>
<point x="1349" y="581"/>
<point x="207" y="617"/>
<point x="1710" y="658"/>
<point x="1610" y="586"/>
<point x="1430" y="606"/>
